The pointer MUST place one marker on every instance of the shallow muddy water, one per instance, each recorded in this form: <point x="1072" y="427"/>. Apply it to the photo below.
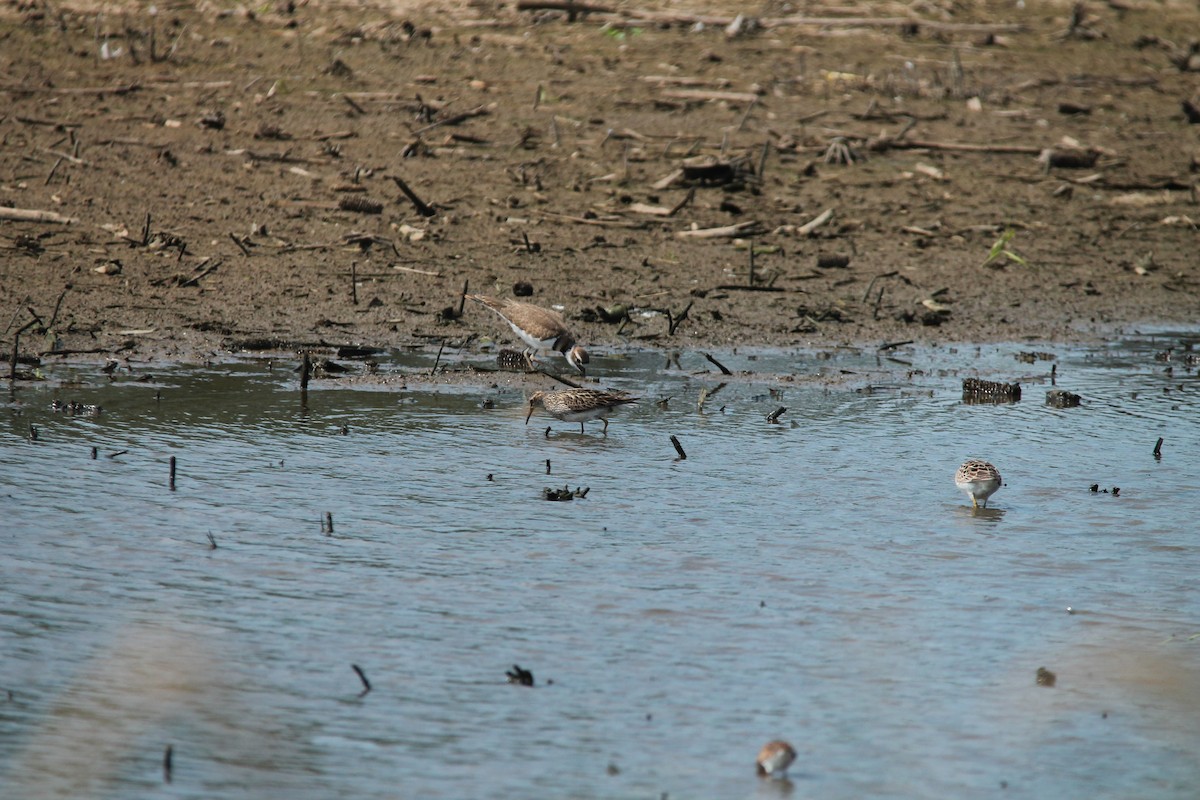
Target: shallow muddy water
<point x="819" y="580"/>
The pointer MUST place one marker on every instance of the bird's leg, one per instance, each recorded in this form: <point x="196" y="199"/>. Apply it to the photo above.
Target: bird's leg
<point x="605" y="421"/>
<point x="529" y="360"/>
<point x="974" y="502"/>
<point x="581" y="426"/>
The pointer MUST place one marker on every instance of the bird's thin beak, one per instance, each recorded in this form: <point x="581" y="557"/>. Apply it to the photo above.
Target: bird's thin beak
<point x="530" y="414"/>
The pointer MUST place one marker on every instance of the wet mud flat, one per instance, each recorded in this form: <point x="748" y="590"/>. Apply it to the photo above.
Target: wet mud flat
<point x="203" y="178"/>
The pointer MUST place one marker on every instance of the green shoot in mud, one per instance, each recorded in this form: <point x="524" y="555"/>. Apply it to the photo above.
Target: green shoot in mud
<point x="1000" y="250"/>
<point x="620" y="34"/>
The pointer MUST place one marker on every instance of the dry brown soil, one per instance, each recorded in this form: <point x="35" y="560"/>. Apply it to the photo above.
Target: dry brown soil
<point x="212" y="164"/>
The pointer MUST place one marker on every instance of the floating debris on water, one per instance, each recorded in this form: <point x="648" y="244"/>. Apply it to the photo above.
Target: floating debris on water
<point x="565" y="493"/>
<point x="521" y="677"/>
<point x="1061" y="398"/>
<point x="976" y="391"/>
<point x="1045" y="677"/>
<point x="75" y="408"/>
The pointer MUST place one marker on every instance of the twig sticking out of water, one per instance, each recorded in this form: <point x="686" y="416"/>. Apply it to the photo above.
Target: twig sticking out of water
<point x="678" y="447"/>
<point x="1158" y="449"/>
<point x="718" y="364"/>
<point x="547" y="460"/>
<point x="168" y="757"/>
<point x="327" y="524"/>
<point x="172" y="473"/>
<point x="305" y="370"/>
<point x="212" y="541"/>
<point x="776" y="414"/>
<point x="95" y="452"/>
<point x="362" y="676"/>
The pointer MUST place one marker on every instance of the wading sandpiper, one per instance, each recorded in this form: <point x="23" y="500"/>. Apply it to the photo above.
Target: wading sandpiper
<point x="579" y="405"/>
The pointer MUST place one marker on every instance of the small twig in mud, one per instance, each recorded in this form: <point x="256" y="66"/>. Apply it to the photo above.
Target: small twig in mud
<point x="362" y="676"/>
<point x="353" y="105"/>
<point x="146" y="231"/>
<point x="678" y="447"/>
<point x="423" y="209"/>
<point x="762" y="160"/>
<point x="172" y="480"/>
<point x="774" y="416"/>
<point x="354" y="282"/>
<point x="810" y="226"/>
<point x="241" y="245"/>
<point x="12" y="363"/>
<point x="675" y="209"/>
<point x="894" y="345"/>
<point x="871" y="285"/>
<point x="478" y="111"/>
<point x="462" y="298"/>
<point x="746" y="116"/>
<point x="31" y="215"/>
<point x="195" y="279"/>
<point x="717" y="364"/>
<point x="560" y="379"/>
<point x="437" y="360"/>
<point x="57" y="306"/>
<point x="723" y="232"/>
<point x="53" y="170"/>
<point x="673" y="321"/>
<point x="572" y="8"/>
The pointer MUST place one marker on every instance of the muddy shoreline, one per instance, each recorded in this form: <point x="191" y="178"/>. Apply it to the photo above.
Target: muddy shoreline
<point x="234" y="178"/>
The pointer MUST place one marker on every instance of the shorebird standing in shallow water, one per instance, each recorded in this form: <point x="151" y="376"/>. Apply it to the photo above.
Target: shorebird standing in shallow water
<point x="540" y="328"/>
<point x="979" y="480"/>
<point x="775" y="758"/>
<point x="579" y="405"/>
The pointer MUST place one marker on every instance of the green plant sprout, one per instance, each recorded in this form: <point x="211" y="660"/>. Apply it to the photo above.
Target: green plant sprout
<point x="1000" y="250"/>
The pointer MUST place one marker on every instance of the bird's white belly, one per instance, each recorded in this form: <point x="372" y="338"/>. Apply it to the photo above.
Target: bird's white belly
<point x="531" y="340"/>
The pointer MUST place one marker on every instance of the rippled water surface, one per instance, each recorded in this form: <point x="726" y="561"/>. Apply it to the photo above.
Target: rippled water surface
<point x="819" y="580"/>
